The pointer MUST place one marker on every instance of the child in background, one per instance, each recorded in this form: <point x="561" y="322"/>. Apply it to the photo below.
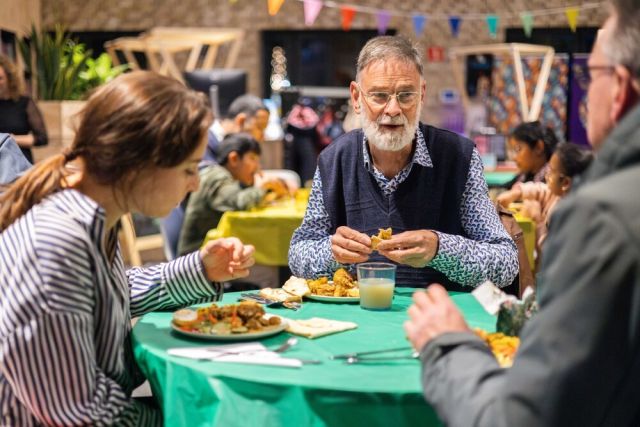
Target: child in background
<point x="224" y="187"/>
<point x="539" y="198"/>
<point x="533" y="145"/>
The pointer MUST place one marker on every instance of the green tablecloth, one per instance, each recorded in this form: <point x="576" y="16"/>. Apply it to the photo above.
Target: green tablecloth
<point x="204" y="393"/>
<point x="499" y="178"/>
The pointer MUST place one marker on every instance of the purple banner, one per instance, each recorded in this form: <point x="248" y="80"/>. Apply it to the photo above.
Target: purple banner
<point x="578" y="100"/>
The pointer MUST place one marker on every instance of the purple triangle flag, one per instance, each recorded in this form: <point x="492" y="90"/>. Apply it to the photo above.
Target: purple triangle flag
<point x="383" y="21"/>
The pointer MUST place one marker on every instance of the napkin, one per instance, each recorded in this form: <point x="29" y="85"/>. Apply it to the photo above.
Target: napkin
<point x="253" y="353"/>
<point x="317" y="327"/>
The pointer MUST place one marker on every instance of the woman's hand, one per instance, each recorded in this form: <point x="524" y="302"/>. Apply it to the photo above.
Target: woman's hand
<point x="226" y="259"/>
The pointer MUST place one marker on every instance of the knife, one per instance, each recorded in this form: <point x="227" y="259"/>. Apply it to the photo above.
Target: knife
<point x="362" y="353"/>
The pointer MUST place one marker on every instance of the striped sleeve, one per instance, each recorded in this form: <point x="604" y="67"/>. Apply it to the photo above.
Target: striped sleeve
<point x="50" y="364"/>
<point x="48" y="356"/>
<point x="176" y="283"/>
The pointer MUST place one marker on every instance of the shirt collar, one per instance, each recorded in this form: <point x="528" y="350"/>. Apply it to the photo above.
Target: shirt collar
<point x="420" y="155"/>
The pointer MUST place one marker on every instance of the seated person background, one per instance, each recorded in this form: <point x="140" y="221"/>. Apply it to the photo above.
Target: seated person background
<point x="224" y="187"/>
<point x="19" y="114"/>
<point x="540" y="198"/>
<point x="425" y="183"/>
<point x="533" y="145"/>
<point x="247" y="113"/>
<point x="12" y="161"/>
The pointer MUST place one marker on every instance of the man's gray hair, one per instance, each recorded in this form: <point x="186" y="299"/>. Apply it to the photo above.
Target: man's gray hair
<point x="247" y="104"/>
<point x="383" y="48"/>
<point x="622" y="47"/>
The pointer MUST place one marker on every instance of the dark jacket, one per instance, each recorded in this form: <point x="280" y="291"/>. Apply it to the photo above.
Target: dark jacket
<point x="579" y="360"/>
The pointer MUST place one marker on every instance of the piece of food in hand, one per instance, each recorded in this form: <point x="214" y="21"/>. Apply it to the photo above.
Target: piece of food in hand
<point x="502" y="346"/>
<point x="278" y="294"/>
<point x="383" y="234"/>
<point x="296" y="286"/>
<point x="277" y="187"/>
<point x="185" y="317"/>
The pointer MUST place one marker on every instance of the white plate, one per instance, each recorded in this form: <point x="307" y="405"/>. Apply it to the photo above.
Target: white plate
<point x="265" y="332"/>
<point x="325" y="298"/>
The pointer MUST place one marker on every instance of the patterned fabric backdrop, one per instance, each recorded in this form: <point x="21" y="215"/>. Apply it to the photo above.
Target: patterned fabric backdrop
<point x="504" y="106"/>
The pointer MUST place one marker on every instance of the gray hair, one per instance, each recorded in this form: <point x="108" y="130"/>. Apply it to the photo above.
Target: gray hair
<point x="383" y="48"/>
<point x="247" y="104"/>
<point x="622" y="47"/>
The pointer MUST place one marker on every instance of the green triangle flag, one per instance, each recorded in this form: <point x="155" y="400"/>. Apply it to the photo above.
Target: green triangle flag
<point x="527" y="23"/>
<point x="492" y="23"/>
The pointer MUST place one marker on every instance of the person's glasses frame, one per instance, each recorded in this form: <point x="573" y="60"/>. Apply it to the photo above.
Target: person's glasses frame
<point x="405" y="99"/>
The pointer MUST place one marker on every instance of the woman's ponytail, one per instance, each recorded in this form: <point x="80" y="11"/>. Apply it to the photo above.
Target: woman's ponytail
<point x="43" y="179"/>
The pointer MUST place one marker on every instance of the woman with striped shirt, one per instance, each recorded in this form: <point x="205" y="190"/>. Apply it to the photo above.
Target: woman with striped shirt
<point x="66" y="300"/>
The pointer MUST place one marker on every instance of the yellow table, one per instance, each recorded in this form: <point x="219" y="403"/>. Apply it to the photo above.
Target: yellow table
<point x="269" y="229"/>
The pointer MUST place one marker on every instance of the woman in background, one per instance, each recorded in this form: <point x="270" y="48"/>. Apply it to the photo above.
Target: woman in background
<point x="67" y="301"/>
<point x="539" y="198"/>
<point x="533" y="145"/>
<point x="19" y="115"/>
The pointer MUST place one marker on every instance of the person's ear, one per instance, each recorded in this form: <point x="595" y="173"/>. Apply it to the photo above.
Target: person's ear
<point x="355" y="97"/>
<point x="565" y="184"/>
<point x="625" y="93"/>
<point x="423" y="90"/>
<point x="539" y="148"/>
<point x="240" y="121"/>
<point x="233" y="158"/>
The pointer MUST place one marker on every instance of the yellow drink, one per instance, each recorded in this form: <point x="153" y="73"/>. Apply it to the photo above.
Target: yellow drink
<point x="376" y="293"/>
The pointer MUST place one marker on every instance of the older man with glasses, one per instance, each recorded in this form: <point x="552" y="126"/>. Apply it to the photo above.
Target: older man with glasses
<point x="425" y="183"/>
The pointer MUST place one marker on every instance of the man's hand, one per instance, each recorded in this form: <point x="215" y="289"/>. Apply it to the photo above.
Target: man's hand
<point x="350" y="246"/>
<point x="414" y="248"/>
<point x="226" y="259"/>
<point x="433" y="313"/>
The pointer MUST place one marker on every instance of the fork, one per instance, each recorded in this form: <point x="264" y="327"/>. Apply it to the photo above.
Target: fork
<point x="295" y="306"/>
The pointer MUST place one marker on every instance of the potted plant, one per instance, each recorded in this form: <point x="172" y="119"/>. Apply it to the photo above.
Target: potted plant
<point x="62" y="73"/>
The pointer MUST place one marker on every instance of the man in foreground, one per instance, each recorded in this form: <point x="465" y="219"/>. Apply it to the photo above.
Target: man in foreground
<point x="578" y="361"/>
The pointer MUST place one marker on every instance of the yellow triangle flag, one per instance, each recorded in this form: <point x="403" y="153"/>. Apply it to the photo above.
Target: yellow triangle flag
<point x="274" y="6"/>
<point x="572" y="17"/>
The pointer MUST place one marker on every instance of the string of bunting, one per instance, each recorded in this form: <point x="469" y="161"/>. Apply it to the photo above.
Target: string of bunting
<point x="312" y="9"/>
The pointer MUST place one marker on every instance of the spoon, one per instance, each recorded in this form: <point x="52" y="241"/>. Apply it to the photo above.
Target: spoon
<point x="286" y="345"/>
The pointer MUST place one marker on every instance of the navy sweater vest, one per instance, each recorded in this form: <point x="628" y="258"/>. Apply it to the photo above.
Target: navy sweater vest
<point x="429" y="199"/>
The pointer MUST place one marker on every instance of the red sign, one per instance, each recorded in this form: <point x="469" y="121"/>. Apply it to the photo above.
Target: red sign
<point x="435" y="54"/>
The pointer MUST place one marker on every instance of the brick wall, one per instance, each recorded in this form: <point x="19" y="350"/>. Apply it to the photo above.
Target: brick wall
<point x="251" y="15"/>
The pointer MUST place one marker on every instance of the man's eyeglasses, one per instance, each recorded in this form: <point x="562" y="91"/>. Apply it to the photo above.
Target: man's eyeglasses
<point x="607" y="70"/>
<point x="381" y="99"/>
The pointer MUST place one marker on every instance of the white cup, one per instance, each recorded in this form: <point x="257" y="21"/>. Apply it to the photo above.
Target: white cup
<point x="377" y="281"/>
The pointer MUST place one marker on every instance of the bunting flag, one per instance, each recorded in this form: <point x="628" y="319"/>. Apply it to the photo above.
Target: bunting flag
<point x="572" y="17"/>
<point x="274" y="6"/>
<point x="311" y="10"/>
<point x="527" y="23"/>
<point x="418" y="24"/>
<point x="492" y="23"/>
<point x="384" y="17"/>
<point x="233" y="1"/>
<point x="454" y="23"/>
<point x="347" y="17"/>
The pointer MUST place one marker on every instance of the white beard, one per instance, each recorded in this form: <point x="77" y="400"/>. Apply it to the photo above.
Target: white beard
<point x="389" y="140"/>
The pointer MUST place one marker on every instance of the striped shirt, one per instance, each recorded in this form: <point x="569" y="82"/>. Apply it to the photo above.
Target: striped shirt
<point x="65" y="322"/>
<point x="487" y="253"/>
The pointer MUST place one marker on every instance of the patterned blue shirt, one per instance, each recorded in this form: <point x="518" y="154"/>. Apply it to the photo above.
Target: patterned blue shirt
<point x="488" y="252"/>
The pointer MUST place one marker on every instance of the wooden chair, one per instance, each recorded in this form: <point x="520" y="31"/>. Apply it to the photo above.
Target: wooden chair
<point x="132" y="246"/>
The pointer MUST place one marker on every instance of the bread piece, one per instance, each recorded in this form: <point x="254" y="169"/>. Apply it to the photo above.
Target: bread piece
<point x="296" y="286"/>
<point x="383" y="234"/>
<point x="278" y="295"/>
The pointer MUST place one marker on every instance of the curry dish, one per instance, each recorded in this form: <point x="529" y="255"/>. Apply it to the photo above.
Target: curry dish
<point x="244" y="317"/>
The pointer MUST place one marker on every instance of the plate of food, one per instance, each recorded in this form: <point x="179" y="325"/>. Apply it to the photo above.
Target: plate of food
<point x="502" y="346"/>
<point x="235" y="322"/>
<point x="343" y="288"/>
